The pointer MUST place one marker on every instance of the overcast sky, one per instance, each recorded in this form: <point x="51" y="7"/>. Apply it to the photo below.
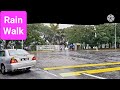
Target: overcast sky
<point x="61" y="26"/>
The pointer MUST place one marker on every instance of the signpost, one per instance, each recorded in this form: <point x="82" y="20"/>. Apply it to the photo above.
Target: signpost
<point x="13" y="25"/>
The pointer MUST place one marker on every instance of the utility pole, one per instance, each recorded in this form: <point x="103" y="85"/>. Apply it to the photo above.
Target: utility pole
<point x="22" y="44"/>
<point x="95" y="36"/>
<point x="115" y="36"/>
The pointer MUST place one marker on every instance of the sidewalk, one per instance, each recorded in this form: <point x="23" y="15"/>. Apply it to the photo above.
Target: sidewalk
<point x="101" y="49"/>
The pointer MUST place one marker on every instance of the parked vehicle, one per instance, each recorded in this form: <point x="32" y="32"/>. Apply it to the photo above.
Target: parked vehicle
<point x="16" y="59"/>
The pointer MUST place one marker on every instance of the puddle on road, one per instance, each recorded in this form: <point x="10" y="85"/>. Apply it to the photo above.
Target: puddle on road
<point x="80" y="57"/>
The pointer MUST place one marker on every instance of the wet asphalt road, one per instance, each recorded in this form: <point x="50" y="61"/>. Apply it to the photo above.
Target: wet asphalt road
<point x="69" y="58"/>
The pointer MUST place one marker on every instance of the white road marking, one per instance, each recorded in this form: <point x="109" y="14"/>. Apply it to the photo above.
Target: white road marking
<point x="93" y="76"/>
<point x="63" y="78"/>
<point x="47" y="72"/>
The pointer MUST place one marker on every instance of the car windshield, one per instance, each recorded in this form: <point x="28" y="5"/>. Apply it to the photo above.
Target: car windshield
<point x="17" y="52"/>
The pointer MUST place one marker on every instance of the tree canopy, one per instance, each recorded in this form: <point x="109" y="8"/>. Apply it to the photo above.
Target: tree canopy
<point x="40" y="34"/>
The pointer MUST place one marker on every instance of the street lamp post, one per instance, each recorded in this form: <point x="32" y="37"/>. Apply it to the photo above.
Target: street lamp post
<point x="115" y="36"/>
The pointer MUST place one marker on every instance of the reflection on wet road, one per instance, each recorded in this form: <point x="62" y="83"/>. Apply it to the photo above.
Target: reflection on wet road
<point x="85" y="63"/>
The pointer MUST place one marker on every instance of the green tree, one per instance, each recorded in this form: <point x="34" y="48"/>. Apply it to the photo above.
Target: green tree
<point x="58" y="34"/>
<point x="34" y="35"/>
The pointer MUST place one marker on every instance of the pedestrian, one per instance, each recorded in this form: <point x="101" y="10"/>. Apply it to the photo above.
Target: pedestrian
<point x="71" y="46"/>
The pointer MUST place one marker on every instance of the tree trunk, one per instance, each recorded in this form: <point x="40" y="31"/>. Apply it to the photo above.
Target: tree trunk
<point x="105" y="46"/>
<point x="85" y="45"/>
<point x="6" y="43"/>
<point x="109" y="45"/>
<point x="117" y="45"/>
<point x="100" y="46"/>
<point x="91" y="47"/>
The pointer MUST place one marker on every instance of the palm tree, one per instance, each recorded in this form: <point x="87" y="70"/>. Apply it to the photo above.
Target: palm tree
<point x="58" y="37"/>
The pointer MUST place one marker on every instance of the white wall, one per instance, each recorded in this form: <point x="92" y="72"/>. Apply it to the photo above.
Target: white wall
<point x="50" y="47"/>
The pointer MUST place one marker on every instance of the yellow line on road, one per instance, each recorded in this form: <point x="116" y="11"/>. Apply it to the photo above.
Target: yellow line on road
<point x="82" y="65"/>
<point x="90" y="71"/>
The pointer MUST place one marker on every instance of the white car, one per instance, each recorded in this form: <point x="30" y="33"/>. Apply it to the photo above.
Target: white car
<point x="16" y="59"/>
